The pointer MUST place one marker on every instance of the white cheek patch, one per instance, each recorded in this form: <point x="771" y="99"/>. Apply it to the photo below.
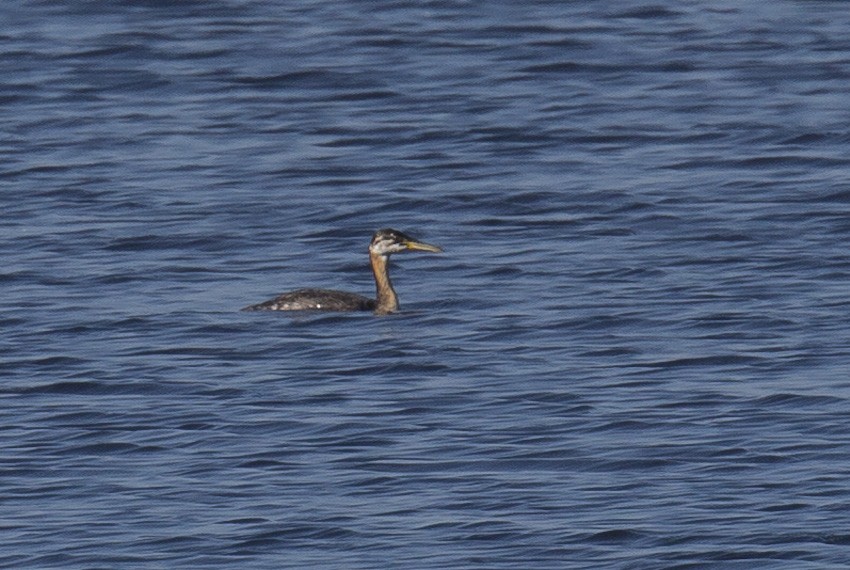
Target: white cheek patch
<point x="381" y="248"/>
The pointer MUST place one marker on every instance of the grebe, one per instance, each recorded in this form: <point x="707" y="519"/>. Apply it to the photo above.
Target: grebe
<point x="384" y="243"/>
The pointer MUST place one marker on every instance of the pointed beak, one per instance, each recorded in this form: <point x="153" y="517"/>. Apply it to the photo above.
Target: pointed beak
<point x="419" y="246"/>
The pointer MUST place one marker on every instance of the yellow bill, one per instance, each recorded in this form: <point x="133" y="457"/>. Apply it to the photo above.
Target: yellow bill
<point x="419" y="246"/>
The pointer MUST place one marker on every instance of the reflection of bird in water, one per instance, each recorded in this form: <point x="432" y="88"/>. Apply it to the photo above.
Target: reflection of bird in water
<point x="384" y="243"/>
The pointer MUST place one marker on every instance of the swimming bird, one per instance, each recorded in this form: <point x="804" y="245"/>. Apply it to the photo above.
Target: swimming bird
<point x="384" y="243"/>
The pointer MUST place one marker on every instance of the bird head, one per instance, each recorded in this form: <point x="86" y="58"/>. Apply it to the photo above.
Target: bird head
<point x="388" y="241"/>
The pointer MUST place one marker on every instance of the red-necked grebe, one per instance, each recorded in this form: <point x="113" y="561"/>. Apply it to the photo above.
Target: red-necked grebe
<point x="384" y="243"/>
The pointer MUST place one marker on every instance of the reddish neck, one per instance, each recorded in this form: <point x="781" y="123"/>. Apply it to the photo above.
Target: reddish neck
<point x="386" y="297"/>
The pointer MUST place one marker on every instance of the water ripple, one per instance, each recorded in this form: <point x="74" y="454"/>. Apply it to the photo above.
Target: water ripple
<point x="630" y="354"/>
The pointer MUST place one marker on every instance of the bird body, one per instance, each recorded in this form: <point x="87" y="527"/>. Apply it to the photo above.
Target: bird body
<point x="315" y="300"/>
<point x="384" y="243"/>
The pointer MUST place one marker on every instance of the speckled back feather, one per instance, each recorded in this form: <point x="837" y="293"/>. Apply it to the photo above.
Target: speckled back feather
<point x="315" y="300"/>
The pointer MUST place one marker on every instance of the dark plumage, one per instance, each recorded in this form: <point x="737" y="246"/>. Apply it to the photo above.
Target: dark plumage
<point x="317" y="300"/>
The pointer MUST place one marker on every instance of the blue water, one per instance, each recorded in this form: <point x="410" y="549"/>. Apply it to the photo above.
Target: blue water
<point x="634" y="352"/>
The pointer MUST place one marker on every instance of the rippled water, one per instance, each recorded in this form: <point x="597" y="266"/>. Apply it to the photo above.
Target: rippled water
<point x="633" y="353"/>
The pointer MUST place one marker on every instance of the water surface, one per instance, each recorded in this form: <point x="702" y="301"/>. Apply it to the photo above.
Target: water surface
<point x="633" y="353"/>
